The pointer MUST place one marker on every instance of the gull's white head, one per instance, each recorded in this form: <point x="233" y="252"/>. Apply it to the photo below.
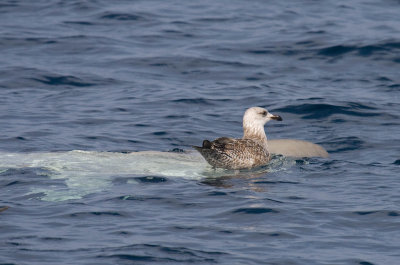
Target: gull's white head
<point x="254" y="120"/>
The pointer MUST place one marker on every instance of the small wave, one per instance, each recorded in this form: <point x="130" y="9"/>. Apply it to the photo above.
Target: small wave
<point x="201" y="101"/>
<point x="306" y="50"/>
<point x="151" y="179"/>
<point x="9" y="42"/>
<point x="180" y="63"/>
<point x="345" y="144"/>
<point x="183" y="255"/>
<point x="28" y="77"/>
<point x="381" y="51"/>
<point x="255" y="210"/>
<point x="336" y="50"/>
<point x="132" y="257"/>
<point x="260" y="51"/>
<point x="275" y="182"/>
<point x="88" y="214"/>
<point x="81" y="23"/>
<point x="122" y="16"/>
<point x="378" y="213"/>
<point x="215" y="19"/>
<point x="63" y="80"/>
<point x="137" y="198"/>
<point x="366" y="263"/>
<point x="217" y="193"/>
<point x="320" y="111"/>
<point x="365" y="51"/>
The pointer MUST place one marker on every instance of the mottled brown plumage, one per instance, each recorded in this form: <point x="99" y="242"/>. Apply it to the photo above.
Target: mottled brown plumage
<point x="232" y="153"/>
<point x="248" y="152"/>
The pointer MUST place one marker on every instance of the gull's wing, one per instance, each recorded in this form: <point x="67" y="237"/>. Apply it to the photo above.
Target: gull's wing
<point x="232" y="153"/>
<point x="296" y="148"/>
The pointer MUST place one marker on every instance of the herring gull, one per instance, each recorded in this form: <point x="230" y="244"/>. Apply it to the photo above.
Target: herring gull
<point x="253" y="149"/>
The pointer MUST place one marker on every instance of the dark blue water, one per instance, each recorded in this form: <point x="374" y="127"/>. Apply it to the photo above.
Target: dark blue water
<point x="127" y="76"/>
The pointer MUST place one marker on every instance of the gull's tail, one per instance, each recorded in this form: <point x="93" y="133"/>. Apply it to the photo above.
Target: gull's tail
<point x="206" y="145"/>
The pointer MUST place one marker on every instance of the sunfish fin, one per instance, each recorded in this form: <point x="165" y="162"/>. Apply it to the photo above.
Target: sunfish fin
<point x="296" y="148"/>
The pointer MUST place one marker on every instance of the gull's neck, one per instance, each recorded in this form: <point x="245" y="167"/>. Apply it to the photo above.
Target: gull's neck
<point x="254" y="131"/>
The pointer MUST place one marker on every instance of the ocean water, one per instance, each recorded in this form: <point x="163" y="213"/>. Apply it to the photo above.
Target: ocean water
<point x="101" y="101"/>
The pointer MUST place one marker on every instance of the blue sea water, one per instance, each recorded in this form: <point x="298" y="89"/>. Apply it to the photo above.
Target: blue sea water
<point x="83" y="84"/>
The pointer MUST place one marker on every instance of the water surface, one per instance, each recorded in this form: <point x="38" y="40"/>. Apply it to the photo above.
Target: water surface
<point x="86" y="86"/>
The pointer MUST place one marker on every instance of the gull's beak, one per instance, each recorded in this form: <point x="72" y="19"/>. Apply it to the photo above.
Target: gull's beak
<point x="276" y="117"/>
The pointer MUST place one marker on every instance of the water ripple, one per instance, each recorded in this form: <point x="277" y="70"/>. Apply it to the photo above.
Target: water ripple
<point x="321" y="111"/>
<point x="121" y="16"/>
<point x="255" y="210"/>
<point x="155" y="75"/>
<point x="62" y="80"/>
<point x="343" y="144"/>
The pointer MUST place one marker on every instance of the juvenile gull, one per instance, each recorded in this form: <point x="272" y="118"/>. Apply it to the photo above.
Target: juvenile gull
<point x="247" y="152"/>
<point x="253" y="150"/>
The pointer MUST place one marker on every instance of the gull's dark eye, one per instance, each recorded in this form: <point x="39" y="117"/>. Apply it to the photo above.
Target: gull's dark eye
<point x="264" y="113"/>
